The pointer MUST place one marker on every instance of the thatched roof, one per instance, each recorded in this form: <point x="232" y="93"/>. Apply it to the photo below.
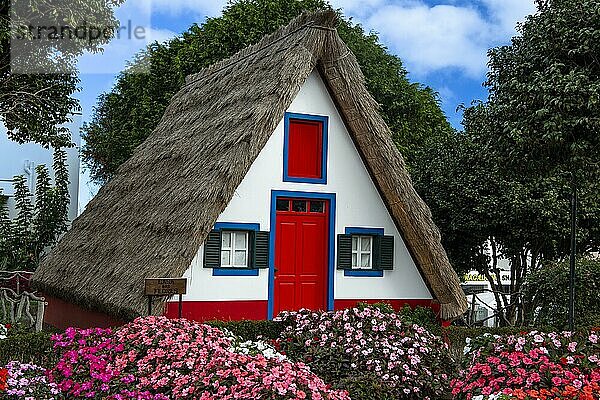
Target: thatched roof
<point x="152" y="217"/>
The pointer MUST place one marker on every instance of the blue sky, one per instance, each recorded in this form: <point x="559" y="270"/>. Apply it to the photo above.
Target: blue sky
<point x="443" y="43"/>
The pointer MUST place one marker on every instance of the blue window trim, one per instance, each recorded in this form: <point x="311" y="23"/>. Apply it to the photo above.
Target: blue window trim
<point x="364" y="273"/>
<point x="331" y="267"/>
<point x="234" y="272"/>
<point x="286" y="126"/>
<point x="235" y="226"/>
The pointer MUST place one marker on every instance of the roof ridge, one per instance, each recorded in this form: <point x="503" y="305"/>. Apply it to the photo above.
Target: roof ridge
<point x="325" y="19"/>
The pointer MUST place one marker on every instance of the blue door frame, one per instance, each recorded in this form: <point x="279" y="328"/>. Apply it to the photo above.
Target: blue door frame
<point x="331" y="261"/>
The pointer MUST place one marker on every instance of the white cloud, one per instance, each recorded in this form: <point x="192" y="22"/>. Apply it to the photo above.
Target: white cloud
<point x="135" y="34"/>
<point x="454" y="35"/>
<point x="431" y="38"/>
<point x="357" y="8"/>
<point x="506" y="13"/>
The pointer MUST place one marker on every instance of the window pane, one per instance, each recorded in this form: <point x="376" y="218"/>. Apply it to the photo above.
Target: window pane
<point x="240" y="258"/>
<point x="365" y="260"/>
<point x="317" y="206"/>
<point x="354" y="243"/>
<point x="365" y="243"/>
<point x="226" y="239"/>
<point x="240" y="240"/>
<point x="299" y="205"/>
<point x="283" y="205"/>
<point x="225" y="261"/>
<point x="354" y="258"/>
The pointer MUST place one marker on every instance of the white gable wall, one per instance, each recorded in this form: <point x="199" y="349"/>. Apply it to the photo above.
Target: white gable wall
<point x="358" y="204"/>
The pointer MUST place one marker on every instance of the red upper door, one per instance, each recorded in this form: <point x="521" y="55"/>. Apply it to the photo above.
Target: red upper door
<point x="305" y="149"/>
<point x="301" y="255"/>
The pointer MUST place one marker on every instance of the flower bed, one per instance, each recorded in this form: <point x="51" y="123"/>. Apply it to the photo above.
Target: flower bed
<point x="25" y="381"/>
<point x="533" y="365"/>
<point x="159" y="358"/>
<point x="370" y="351"/>
<point x="356" y="346"/>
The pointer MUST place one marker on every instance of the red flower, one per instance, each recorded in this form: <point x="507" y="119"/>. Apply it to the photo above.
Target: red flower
<point x="3" y="378"/>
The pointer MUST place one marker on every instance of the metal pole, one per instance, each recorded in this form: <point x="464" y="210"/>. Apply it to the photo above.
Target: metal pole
<point x="180" y="305"/>
<point x="472" y="319"/>
<point x="573" y="252"/>
<point x="149" y="305"/>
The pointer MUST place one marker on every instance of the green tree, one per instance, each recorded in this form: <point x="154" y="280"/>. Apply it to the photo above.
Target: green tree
<point x="506" y="181"/>
<point x="36" y="226"/>
<point x="548" y="306"/>
<point x="544" y="101"/>
<point x="36" y="99"/>
<point x="126" y="115"/>
<point x="487" y="210"/>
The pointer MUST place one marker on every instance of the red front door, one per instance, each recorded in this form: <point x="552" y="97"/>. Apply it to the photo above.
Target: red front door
<point x="301" y="248"/>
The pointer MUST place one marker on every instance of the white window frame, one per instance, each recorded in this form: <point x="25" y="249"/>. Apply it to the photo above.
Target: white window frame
<point x="232" y="248"/>
<point x="359" y="253"/>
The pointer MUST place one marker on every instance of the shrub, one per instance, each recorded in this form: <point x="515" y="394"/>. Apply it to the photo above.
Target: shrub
<point x="546" y="294"/>
<point x="28" y="348"/>
<point x="251" y="330"/>
<point x="422" y="316"/>
<point x="533" y="365"/>
<point x="159" y="358"/>
<point x="347" y="345"/>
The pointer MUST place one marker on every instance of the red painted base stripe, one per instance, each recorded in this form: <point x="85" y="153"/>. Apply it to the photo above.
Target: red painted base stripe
<point x="219" y="310"/>
<point x="257" y="309"/>
<point x="62" y="314"/>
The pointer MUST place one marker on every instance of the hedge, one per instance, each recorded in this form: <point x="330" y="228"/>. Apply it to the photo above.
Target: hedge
<point x="35" y="347"/>
<point x="251" y="330"/>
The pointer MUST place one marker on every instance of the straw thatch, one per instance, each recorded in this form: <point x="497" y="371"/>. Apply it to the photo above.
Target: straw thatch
<point x="150" y="220"/>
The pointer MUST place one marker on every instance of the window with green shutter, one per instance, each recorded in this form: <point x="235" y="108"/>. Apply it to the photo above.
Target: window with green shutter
<point x="364" y="250"/>
<point x="240" y="247"/>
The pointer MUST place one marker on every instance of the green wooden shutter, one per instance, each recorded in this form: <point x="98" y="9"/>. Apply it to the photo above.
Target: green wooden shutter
<point x="344" y="251"/>
<point x="251" y="249"/>
<point x="261" y="249"/>
<point x="383" y="252"/>
<point x="212" y="250"/>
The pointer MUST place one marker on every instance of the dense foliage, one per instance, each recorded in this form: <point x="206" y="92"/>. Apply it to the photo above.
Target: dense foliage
<point x="37" y="225"/>
<point x="126" y="115"/>
<point x="535" y="365"/>
<point x="545" y="89"/>
<point x="250" y="329"/>
<point x="547" y="297"/>
<point x="36" y="101"/>
<point x="501" y="189"/>
<point x="32" y="347"/>
<point x="360" y="347"/>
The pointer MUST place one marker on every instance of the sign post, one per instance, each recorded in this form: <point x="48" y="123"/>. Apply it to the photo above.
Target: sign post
<point x="159" y="287"/>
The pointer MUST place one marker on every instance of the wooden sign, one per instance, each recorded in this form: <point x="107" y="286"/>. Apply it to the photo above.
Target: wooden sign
<point x="165" y="286"/>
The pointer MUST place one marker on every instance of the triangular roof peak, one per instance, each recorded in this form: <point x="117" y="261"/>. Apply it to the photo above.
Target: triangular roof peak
<point x="152" y="217"/>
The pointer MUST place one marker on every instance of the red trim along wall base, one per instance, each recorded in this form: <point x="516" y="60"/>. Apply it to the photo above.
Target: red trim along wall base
<point x="62" y="314"/>
<point x="219" y="310"/>
<point x="257" y="309"/>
